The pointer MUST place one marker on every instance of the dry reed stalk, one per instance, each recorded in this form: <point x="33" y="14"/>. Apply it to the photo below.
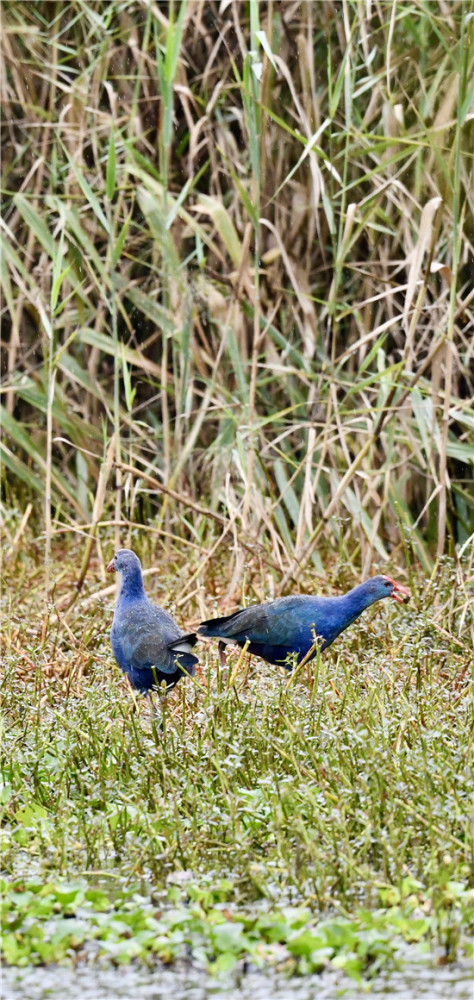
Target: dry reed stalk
<point x="328" y="133"/>
<point x="99" y="500"/>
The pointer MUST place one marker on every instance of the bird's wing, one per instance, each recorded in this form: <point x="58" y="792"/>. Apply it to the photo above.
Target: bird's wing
<point x="274" y="620"/>
<point x="147" y="635"/>
<point x="256" y="620"/>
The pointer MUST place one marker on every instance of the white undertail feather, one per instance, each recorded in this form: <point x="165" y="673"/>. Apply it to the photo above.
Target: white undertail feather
<point x="182" y="647"/>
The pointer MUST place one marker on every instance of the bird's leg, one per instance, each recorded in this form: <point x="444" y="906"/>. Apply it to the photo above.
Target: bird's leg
<point x="155" y="713"/>
<point x="222" y="655"/>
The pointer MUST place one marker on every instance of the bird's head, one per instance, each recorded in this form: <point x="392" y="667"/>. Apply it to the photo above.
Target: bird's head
<point x="390" y="588"/>
<point x="124" y="561"/>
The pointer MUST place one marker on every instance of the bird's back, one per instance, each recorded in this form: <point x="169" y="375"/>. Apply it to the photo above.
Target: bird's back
<point x="142" y="638"/>
<point x="277" y="629"/>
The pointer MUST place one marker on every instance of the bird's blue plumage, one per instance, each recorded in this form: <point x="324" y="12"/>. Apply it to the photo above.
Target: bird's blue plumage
<point x="278" y="630"/>
<point x="147" y="643"/>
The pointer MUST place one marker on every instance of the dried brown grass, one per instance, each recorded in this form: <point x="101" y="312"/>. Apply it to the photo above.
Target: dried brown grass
<point x="249" y="257"/>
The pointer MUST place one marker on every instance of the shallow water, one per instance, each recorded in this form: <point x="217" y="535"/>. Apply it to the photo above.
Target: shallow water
<point x="421" y="981"/>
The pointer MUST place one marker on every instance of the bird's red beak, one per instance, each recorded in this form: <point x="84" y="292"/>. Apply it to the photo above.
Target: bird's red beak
<point x="399" y="593"/>
<point x="111" y="566"/>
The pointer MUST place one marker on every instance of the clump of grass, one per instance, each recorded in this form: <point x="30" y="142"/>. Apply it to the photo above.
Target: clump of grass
<point x="54" y="922"/>
<point x="236" y="244"/>
<point x="346" y="789"/>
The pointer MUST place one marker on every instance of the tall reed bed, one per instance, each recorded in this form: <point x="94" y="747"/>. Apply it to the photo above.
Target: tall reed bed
<point x="237" y="247"/>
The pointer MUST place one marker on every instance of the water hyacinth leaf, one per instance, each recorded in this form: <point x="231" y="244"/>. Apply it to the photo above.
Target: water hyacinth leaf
<point x="225" y="962"/>
<point x="14" y="951"/>
<point x="230" y="937"/>
<point x="306" y="943"/>
<point x="30" y="813"/>
<point x="66" y="895"/>
<point x="350" y="964"/>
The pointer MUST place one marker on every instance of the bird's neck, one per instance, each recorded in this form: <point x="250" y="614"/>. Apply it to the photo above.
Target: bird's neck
<point x="357" y="600"/>
<point x="131" y="587"/>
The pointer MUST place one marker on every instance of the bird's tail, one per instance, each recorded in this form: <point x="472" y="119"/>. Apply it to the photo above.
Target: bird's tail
<point x="183" y="647"/>
<point x="185" y="642"/>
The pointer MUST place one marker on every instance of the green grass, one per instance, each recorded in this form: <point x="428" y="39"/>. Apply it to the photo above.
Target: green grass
<point x="53" y="921"/>
<point x="236" y="283"/>
<point x="344" y="793"/>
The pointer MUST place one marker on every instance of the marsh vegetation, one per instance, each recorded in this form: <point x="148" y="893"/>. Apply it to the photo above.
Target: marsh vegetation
<point x="237" y="263"/>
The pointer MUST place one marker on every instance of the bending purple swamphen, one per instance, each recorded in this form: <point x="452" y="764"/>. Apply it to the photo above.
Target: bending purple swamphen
<point x="291" y="626"/>
<point x="146" y="641"/>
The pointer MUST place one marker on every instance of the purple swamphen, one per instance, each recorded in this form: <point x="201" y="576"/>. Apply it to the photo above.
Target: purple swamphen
<point x="146" y="641"/>
<point x="290" y="627"/>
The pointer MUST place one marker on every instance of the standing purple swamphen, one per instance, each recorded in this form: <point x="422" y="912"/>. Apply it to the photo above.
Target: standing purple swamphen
<point x="146" y="641"/>
<point x="290" y="627"/>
